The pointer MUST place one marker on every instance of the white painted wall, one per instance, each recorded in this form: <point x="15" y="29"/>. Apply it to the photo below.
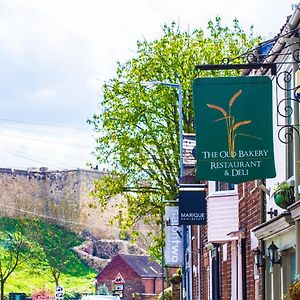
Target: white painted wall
<point x="222" y="214"/>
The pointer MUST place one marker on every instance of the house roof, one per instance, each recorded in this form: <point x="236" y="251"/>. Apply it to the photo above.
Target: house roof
<point x="189" y="144"/>
<point x="142" y="265"/>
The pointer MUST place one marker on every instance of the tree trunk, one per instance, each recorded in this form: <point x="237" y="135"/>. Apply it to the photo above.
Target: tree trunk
<point x="2" y="289"/>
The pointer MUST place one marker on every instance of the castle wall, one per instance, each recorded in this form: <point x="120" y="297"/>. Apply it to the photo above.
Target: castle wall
<point x="60" y="196"/>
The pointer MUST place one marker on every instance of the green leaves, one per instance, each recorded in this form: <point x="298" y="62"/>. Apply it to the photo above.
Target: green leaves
<point x="43" y="254"/>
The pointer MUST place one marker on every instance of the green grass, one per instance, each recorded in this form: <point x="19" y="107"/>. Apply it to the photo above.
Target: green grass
<point x="31" y="276"/>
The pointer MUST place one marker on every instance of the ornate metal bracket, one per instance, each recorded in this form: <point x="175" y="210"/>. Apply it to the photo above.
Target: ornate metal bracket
<point x="287" y="94"/>
<point x="238" y="67"/>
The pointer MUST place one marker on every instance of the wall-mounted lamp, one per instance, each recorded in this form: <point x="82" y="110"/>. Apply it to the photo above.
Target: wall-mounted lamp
<point x="258" y="258"/>
<point x="273" y="252"/>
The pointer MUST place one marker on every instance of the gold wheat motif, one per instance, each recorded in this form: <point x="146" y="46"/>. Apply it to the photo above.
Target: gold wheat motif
<point x="231" y="125"/>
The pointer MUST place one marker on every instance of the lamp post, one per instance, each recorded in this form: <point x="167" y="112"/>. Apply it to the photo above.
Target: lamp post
<point x="181" y="172"/>
<point x="179" y="88"/>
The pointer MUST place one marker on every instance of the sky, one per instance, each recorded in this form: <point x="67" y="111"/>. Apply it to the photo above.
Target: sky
<point x="55" y="56"/>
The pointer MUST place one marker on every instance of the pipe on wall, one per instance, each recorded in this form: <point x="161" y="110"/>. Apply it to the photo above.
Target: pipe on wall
<point x="199" y="263"/>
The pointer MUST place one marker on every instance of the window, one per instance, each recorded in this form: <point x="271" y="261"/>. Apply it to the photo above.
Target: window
<point x="224" y="186"/>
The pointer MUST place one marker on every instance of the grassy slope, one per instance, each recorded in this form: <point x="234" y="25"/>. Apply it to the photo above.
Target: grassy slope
<point x="28" y="277"/>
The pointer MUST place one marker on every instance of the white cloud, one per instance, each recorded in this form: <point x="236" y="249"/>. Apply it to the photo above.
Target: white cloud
<point x="43" y="93"/>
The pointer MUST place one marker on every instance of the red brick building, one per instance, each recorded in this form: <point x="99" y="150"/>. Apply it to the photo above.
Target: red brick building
<point x="244" y="220"/>
<point x="132" y="274"/>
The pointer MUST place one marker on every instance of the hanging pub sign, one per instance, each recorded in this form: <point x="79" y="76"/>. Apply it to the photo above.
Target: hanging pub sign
<point x="234" y="128"/>
<point x="192" y="205"/>
<point x="173" y="244"/>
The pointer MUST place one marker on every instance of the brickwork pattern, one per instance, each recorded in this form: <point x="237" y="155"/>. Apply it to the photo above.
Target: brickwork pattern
<point x="133" y="282"/>
<point x="204" y="263"/>
<point x="195" y="261"/>
<point x="249" y="217"/>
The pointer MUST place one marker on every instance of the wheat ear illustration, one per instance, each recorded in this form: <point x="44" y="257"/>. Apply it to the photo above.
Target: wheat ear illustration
<point x="231" y="126"/>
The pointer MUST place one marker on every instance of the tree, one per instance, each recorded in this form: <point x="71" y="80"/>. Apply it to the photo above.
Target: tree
<point x="12" y="246"/>
<point x="53" y="247"/>
<point x="138" y="128"/>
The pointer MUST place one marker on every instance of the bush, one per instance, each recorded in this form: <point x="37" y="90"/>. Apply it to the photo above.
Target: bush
<point x="167" y="294"/>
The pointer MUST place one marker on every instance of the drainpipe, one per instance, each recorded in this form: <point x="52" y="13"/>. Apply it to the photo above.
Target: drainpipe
<point x="297" y="225"/>
<point x="190" y="262"/>
<point x="294" y="48"/>
<point x="244" y="270"/>
<point x="294" y="21"/>
<point x="199" y="262"/>
<point x="262" y="220"/>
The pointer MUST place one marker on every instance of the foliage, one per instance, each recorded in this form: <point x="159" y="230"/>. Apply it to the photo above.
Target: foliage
<point x="294" y="289"/>
<point x="103" y="290"/>
<point x="167" y="294"/>
<point x="176" y="278"/>
<point x="33" y="274"/>
<point x="281" y="187"/>
<point x="72" y="295"/>
<point x="138" y="127"/>
<point x="12" y="249"/>
<point x="283" y="194"/>
<point x="55" y="247"/>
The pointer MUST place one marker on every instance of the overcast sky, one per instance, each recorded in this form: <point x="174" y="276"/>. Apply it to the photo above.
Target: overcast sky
<point x="56" y="54"/>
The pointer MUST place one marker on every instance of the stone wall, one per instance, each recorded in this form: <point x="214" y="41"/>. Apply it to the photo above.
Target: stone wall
<point x="59" y="196"/>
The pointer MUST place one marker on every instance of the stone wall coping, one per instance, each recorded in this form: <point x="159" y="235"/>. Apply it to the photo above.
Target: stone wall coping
<point x="44" y="172"/>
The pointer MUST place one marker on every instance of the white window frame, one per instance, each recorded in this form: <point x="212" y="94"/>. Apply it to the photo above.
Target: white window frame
<point x="212" y="190"/>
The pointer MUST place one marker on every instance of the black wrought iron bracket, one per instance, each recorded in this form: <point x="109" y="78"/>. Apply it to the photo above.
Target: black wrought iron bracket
<point x="249" y="66"/>
<point x="284" y="82"/>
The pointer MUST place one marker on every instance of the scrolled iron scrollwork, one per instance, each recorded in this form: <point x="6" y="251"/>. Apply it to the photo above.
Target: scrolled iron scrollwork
<point x="296" y="55"/>
<point x="284" y="108"/>
<point x="286" y="100"/>
<point x="282" y="79"/>
<point x="249" y="57"/>
<point x="286" y="133"/>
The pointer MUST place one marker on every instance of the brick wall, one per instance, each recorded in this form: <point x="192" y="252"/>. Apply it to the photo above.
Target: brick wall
<point x="195" y="261"/>
<point x="204" y="263"/>
<point x="158" y="285"/>
<point x="249" y="217"/>
<point x="133" y="282"/>
<point x="226" y="273"/>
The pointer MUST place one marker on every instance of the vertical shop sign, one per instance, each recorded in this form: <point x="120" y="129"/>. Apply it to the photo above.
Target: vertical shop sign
<point x="174" y="244"/>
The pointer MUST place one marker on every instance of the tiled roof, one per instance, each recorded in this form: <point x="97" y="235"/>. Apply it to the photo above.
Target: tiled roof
<point x="142" y="265"/>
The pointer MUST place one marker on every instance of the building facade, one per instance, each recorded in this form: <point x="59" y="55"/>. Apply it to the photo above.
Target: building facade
<point x="231" y="257"/>
<point x="132" y="277"/>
